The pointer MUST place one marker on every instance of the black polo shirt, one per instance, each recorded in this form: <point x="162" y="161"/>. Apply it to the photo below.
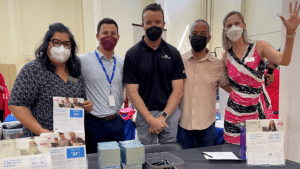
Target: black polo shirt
<point x="153" y="70"/>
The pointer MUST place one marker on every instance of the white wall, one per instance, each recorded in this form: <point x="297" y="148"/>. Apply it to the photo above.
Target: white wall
<point x="89" y="26"/>
<point x="179" y="15"/>
<point x="25" y="23"/>
<point x="260" y="17"/>
<point x="6" y="52"/>
<point x="289" y="103"/>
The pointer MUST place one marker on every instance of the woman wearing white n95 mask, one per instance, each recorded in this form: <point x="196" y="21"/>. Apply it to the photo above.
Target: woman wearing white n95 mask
<point x="245" y="64"/>
<point x="54" y="72"/>
<point x="60" y="53"/>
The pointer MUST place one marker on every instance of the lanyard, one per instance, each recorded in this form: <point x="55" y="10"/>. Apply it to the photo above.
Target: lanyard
<point x="114" y="69"/>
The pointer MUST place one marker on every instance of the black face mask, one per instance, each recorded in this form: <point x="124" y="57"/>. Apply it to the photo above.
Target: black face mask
<point x="198" y="42"/>
<point x="154" y="33"/>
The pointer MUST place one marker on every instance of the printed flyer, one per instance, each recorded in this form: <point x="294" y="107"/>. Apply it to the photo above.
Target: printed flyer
<point x="67" y="149"/>
<point x="25" y="153"/>
<point x="265" y="142"/>
<point x="68" y="114"/>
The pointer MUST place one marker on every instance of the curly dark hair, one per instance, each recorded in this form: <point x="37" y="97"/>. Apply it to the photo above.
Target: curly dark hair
<point x="73" y="64"/>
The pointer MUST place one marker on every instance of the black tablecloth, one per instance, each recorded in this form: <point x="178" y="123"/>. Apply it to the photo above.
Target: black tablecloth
<point x="193" y="159"/>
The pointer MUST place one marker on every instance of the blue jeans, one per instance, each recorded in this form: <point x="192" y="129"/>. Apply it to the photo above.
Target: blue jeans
<point x="102" y="131"/>
<point x="196" y="138"/>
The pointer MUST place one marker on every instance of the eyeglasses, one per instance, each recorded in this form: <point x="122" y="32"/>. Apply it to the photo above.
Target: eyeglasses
<point x="57" y="43"/>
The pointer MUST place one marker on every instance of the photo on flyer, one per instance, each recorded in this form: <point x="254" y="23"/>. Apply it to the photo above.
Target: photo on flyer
<point x="65" y="139"/>
<point x="270" y="125"/>
<point x="68" y="102"/>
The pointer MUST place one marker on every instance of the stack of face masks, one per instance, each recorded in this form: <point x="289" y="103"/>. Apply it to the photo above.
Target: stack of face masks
<point x="132" y="154"/>
<point x="109" y="155"/>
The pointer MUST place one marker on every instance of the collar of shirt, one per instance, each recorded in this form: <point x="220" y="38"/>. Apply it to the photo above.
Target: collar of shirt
<point x="146" y="47"/>
<point x="208" y="56"/>
<point x="104" y="57"/>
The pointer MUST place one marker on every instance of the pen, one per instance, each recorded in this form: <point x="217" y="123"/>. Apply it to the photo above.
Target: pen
<point x="207" y="155"/>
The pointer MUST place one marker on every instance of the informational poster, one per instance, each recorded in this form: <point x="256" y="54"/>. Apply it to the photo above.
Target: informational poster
<point x="68" y="114"/>
<point x="265" y="142"/>
<point x="25" y="153"/>
<point x="67" y="149"/>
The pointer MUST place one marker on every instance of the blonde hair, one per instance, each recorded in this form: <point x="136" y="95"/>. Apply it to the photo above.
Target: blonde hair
<point x="225" y="41"/>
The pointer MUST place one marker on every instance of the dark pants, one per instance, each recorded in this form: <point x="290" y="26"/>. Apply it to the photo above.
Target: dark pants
<point x="97" y="130"/>
<point x="2" y="116"/>
<point x="196" y="138"/>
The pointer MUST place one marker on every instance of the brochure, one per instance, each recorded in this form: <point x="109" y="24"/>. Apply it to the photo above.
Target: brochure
<point x="265" y="142"/>
<point x="68" y="114"/>
<point x="25" y="153"/>
<point x="67" y="149"/>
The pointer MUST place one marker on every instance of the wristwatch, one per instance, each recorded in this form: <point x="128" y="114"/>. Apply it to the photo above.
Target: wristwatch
<point x="164" y="114"/>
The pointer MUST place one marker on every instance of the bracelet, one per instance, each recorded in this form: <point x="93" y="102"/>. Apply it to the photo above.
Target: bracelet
<point x="291" y="36"/>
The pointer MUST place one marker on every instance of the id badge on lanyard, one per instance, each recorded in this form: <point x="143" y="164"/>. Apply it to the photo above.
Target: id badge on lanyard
<point x="111" y="97"/>
<point x="111" y="100"/>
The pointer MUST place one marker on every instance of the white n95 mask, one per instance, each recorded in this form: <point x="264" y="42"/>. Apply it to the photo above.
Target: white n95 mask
<point x="60" y="54"/>
<point x="234" y="33"/>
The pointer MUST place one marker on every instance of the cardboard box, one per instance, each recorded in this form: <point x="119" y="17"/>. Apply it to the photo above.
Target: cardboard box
<point x="137" y="166"/>
<point x="109" y="155"/>
<point x="132" y="154"/>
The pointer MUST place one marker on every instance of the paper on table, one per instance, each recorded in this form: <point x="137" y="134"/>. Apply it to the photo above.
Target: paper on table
<point x="220" y="156"/>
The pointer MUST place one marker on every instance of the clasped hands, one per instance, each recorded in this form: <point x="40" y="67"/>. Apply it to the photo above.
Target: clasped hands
<point x="157" y="125"/>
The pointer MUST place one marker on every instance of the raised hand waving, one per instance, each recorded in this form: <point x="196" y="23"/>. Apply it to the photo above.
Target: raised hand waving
<point x="292" y="23"/>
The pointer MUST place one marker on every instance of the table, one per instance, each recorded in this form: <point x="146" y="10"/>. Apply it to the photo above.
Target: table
<point x="193" y="159"/>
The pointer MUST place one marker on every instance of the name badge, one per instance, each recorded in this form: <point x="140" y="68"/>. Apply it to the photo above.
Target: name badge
<point x="111" y="100"/>
<point x="250" y="59"/>
<point x="72" y="79"/>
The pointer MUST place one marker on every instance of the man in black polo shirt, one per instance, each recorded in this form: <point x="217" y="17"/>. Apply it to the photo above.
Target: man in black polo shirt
<point x="153" y="74"/>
